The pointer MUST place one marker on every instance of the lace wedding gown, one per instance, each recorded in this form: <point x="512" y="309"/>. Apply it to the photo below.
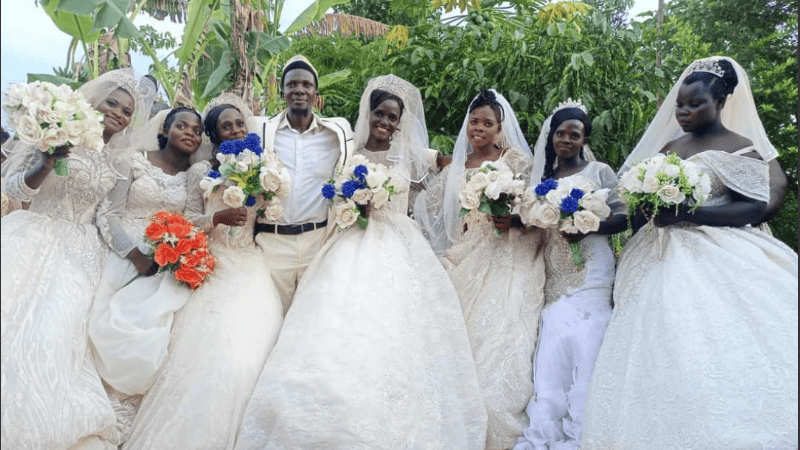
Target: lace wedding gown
<point x="500" y="284"/>
<point x="701" y="350"/>
<point x="131" y="320"/>
<point x="571" y="328"/>
<point x="220" y="340"/>
<point x="52" y="258"/>
<point x="373" y="353"/>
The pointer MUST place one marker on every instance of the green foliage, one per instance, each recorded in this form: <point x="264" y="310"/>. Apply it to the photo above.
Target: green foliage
<point x="381" y="11"/>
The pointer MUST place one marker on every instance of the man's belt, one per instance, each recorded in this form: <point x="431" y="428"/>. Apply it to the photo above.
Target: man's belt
<point x="288" y="229"/>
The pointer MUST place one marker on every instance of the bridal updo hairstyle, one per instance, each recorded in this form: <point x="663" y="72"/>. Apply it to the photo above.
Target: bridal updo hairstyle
<point x="487" y="98"/>
<point x="210" y="124"/>
<point x="719" y="87"/>
<point x="378" y="96"/>
<point x="560" y="117"/>
<point x="163" y="135"/>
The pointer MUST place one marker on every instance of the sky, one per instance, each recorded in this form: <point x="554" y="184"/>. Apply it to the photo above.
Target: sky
<point x="23" y="51"/>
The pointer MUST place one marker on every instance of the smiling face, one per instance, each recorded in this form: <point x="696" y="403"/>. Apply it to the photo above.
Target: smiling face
<point x="117" y="109"/>
<point x="231" y="125"/>
<point x="569" y="138"/>
<point x="483" y="127"/>
<point x="299" y="90"/>
<point x="695" y="108"/>
<point x="185" y="133"/>
<point x="383" y="120"/>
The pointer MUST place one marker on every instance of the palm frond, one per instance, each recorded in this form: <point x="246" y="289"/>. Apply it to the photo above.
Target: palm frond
<point x="346" y="25"/>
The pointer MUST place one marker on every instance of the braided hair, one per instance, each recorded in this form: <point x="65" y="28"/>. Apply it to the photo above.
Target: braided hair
<point x="487" y="98"/>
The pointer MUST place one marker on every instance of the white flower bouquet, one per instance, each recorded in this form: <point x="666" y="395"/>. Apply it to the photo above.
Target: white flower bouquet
<point x="48" y="116"/>
<point x="359" y="185"/>
<point x="664" y="181"/>
<point x="493" y="190"/>
<point x="573" y="205"/>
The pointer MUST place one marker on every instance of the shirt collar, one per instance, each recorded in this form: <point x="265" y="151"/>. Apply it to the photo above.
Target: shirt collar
<point x="284" y="123"/>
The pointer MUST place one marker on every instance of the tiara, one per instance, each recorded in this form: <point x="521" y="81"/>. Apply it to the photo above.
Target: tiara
<point x="392" y="84"/>
<point x="704" y="65"/>
<point x="570" y="103"/>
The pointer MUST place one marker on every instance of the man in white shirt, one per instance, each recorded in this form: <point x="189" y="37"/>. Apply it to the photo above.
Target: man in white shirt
<point x="311" y="147"/>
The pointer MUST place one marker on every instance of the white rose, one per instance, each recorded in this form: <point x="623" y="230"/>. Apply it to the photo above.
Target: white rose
<point x="346" y="213"/>
<point x="283" y="175"/>
<point x="380" y="199"/>
<point x="672" y="170"/>
<point x="692" y="173"/>
<point x="375" y="179"/>
<point x="630" y="181"/>
<point x="579" y="182"/>
<point x="546" y="215"/>
<point x="650" y="184"/>
<point x="269" y="181"/>
<point x="703" y="188"/>
<point x="37" y="98"/>
<point x="586" y="221"/>
<point x="479" y="180"/>
<point x="233" y="196"/>
<point x="56" y="137"/>
<point x="568" y="227"/>
<point x="74" y="129"/>
<point x="671" y="194"/>
<point x="469" y="199"/>
<point x="29" y="130"/>
<point x="362" y="196"/>
<point x="597" y="202"/>
<point x="13" y="97"/>
<point x="207" y="185"/>
<point x="356" y="160"/>
<point x="562" y="191"/>
<point x="241" y="166"/>
<point x="48" y="115"/>
<point x="494" y="190"/>
<point x="274" y="212"/>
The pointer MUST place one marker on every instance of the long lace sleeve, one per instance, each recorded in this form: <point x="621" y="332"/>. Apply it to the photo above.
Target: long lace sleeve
<point x="195" y="206"/>
<point x="16" y="189"/>
<point x="428" y="210"/>
<point x="109" y="217"/>
<point x="519" y="162"/>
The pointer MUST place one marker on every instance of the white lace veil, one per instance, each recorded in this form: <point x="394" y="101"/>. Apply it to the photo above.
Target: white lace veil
<point x="539" y="153"/>
<point x="206" y="150"/>
<point x="739" y="115"/>
<point x="95" y="91"/>
<point x="410" y="142"/>
<point x="444" y="228"/>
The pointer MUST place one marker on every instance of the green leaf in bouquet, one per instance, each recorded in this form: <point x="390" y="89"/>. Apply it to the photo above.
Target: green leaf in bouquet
<point x="362" y="222"/>
<point x="500" y="209"/>
<point x="60" y="167"/>
<point x="485" y="207"/>
<point x="465" y="211"/>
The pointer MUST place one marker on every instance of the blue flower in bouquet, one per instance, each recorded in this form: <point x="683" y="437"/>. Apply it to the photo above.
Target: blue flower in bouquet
<point x="350" y="187"/>
<point x="231" y="147"/>
<point x="577" y="194"/>
<point x="570" y="204"/>
<point x="250" y="201"/>
<point x="328" y="191"/>
<point x="545" y="186"/>
<point x="213" y="174"/>
<point x="360" y="171"/>
<point x="253" y="143"/>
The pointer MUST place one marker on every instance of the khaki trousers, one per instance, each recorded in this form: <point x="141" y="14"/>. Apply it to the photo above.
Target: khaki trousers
<point x="287" y="257"/>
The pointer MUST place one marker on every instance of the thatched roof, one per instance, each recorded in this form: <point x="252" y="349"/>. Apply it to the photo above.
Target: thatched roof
<point x="346" y="25"/>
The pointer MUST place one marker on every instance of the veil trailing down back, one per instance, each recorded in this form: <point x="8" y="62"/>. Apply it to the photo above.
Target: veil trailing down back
<point x="701" y="349"/>
<point x="386" y="363"/>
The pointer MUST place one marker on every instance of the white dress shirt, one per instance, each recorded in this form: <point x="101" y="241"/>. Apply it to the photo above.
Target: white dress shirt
<point x="310" y="157"/>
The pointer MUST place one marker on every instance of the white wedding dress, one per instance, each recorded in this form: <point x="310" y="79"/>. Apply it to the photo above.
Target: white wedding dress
<point x="52" y="258"/>
<point x="373" y="353"/>
<point x="573" y="321"/>
<point x="701" y="350"/>
<point x="500" y="284"/>
<point x="132" y="315"/>
<point x="220" y="340"/>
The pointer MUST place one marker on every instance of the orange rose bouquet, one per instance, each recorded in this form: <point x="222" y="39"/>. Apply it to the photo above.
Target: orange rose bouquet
<point x="178" y="246"/>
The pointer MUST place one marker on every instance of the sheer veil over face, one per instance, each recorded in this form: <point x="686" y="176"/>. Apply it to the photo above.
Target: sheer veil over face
<point x="206" y="150"/>
<point x="739" y="115"/>
<point x="444" y="227"/>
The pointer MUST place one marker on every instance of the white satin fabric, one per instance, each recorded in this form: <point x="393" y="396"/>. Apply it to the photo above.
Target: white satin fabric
<point x="220" y="340"/>
<point x="373" y="353"/>
<point x="500" y="283"/>
<point x="52" y="258"/>
<point x="701" y="349"/>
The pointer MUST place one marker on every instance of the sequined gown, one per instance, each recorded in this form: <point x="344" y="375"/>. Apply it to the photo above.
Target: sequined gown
<point x="52" y="258"/>
<point x="220" y="340"/>
<point x="500" y="283"/>
<point x="373" y="353"/>
<point x="701" y="350"/>
<point x="132" y="315"/>
<point x="573" y="321"/>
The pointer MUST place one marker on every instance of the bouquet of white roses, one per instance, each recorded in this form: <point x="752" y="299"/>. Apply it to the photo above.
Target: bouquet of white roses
<point x="359" y="184"/>
<point x="48" y="116"/>
<point x="664" y="181"/>
<point x="493" y="190"/>
<point x="249" y="172"/>
<point x="573" y="205"/>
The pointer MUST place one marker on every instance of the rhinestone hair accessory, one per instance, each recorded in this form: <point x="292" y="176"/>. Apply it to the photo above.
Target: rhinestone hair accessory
<point x="392" y="84"/>
<point x="570" y="103"/>
<point x="129" y="84"/>
<point x="705" y="65"/>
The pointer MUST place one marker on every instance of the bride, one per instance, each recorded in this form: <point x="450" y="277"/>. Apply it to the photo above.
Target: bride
<point x="701" y="349"/>
<point x="373" y="353"/>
